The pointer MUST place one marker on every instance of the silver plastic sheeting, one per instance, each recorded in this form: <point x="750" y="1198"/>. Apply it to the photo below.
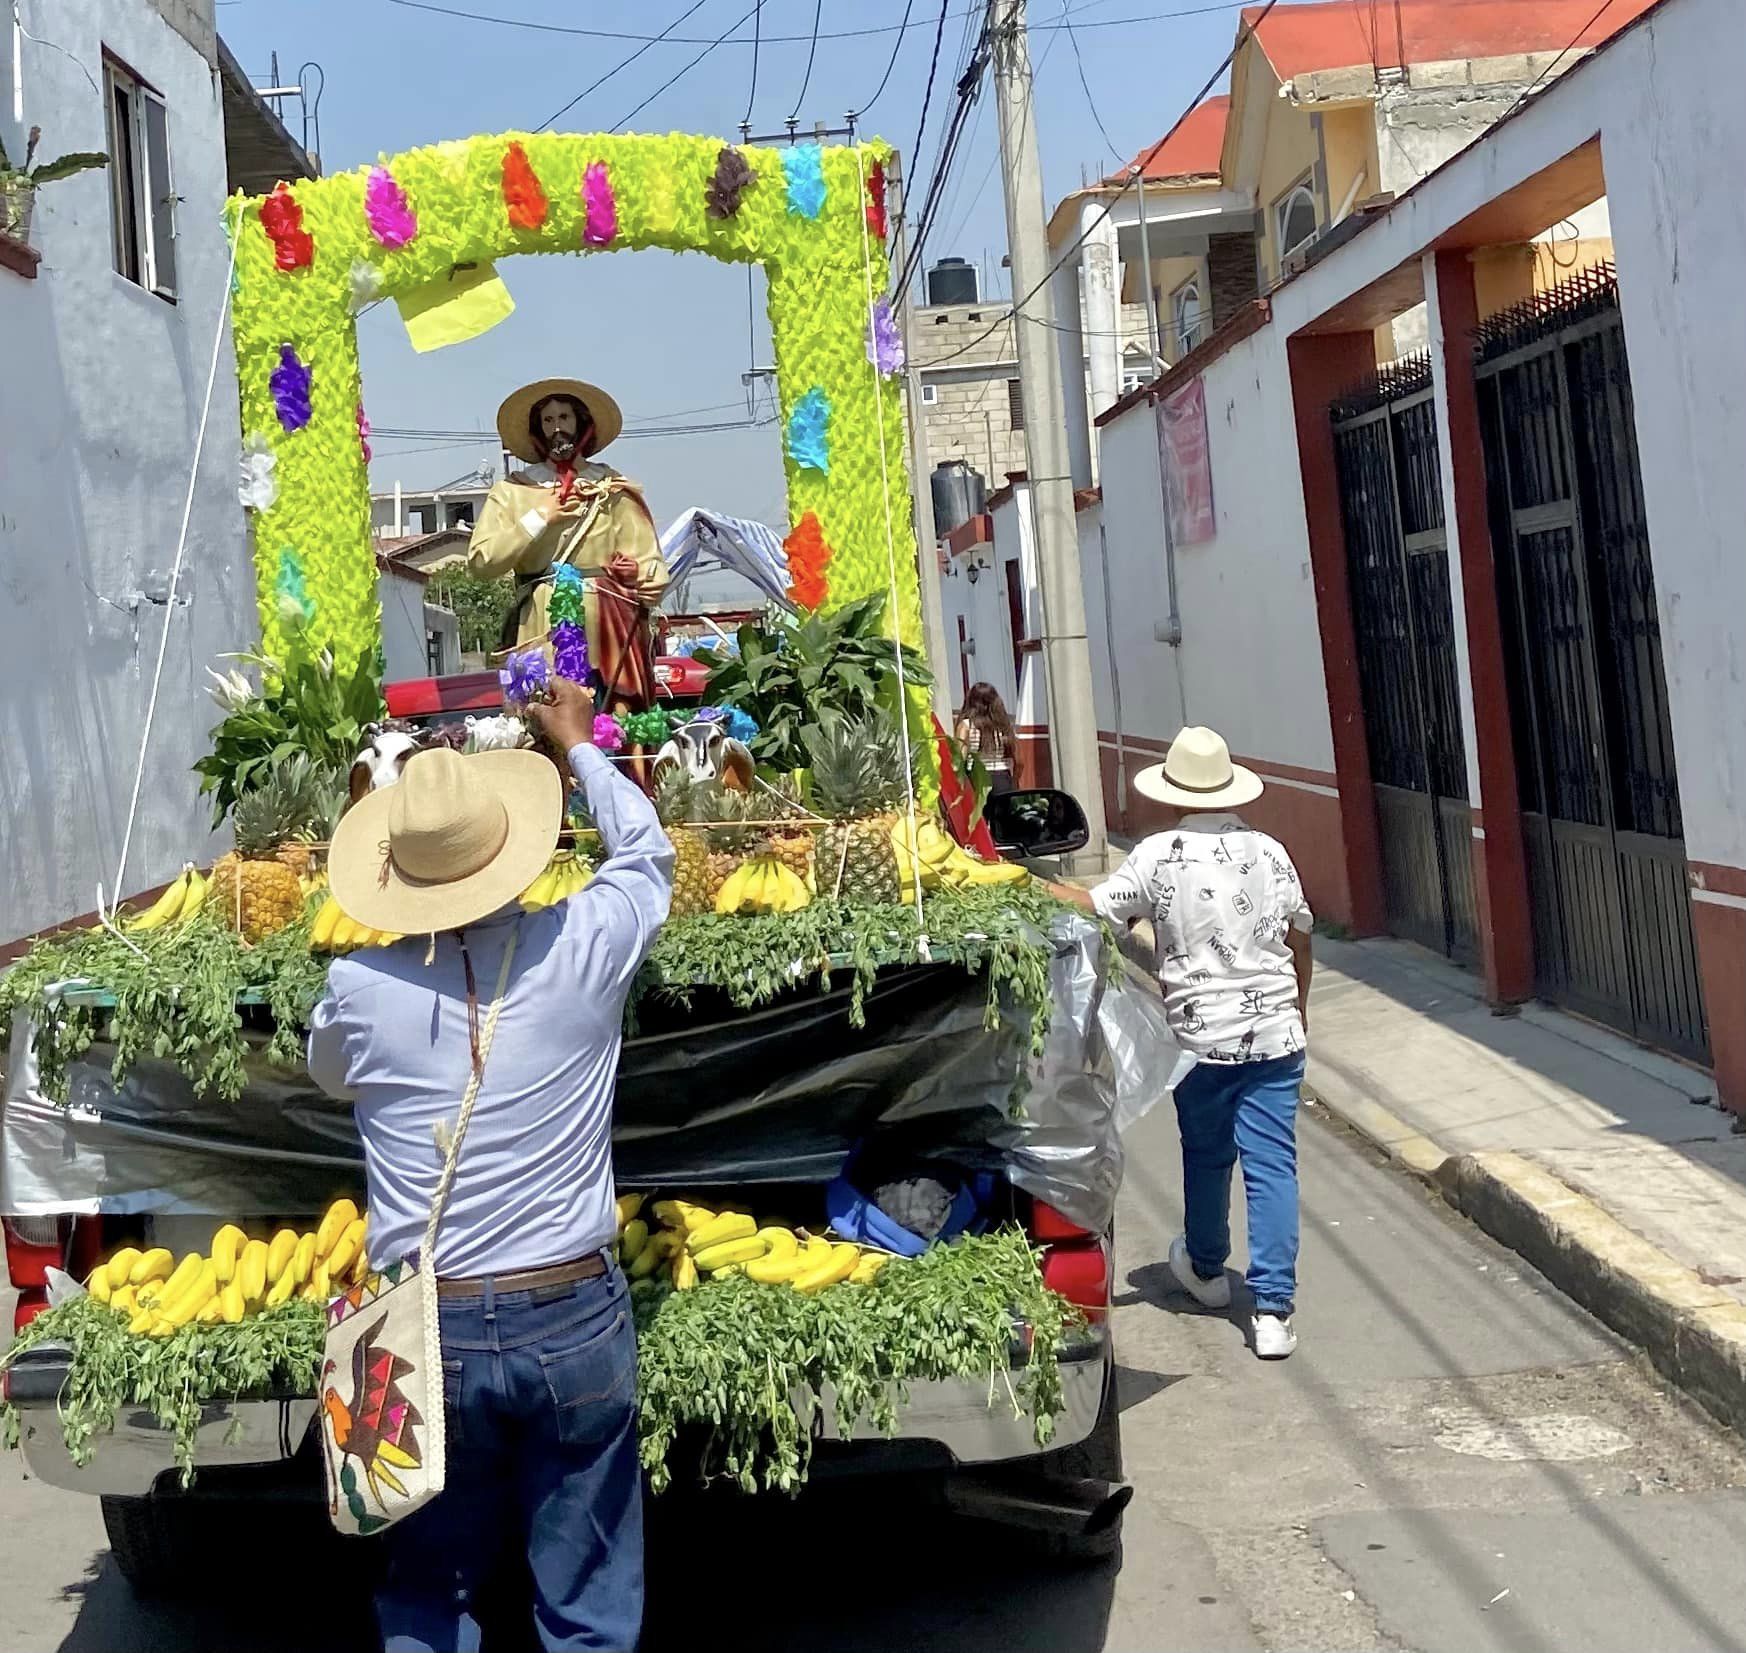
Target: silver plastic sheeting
<point x="707" y="1096"/>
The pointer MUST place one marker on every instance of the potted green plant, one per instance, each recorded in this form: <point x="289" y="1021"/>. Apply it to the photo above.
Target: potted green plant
<point x="19" y="184"/>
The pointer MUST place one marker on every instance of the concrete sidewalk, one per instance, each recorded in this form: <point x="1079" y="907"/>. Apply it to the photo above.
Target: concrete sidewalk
<point x="1610" y="1169"/>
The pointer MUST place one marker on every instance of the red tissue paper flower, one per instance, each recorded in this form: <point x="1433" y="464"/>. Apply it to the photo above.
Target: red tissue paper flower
<point x="282" y="219"/>
<point x="522" y="193"/>
<point x="876" y="200"/>
<point x="808" y="557"/>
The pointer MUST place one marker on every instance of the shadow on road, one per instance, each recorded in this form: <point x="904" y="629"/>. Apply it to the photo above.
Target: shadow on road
<point x="859" y="1573"/>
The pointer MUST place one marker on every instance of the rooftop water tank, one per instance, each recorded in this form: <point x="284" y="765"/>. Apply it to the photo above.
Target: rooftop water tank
<point x="954" y="281"/>
<point x="960" y="493"/>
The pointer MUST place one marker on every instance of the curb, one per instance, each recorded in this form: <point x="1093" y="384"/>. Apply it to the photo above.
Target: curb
<point x="1693" y="1333"/>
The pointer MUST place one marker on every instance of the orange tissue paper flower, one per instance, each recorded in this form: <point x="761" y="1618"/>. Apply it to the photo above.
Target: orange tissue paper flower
<point x="522" y="193"/>
<point x="808" y="557"/>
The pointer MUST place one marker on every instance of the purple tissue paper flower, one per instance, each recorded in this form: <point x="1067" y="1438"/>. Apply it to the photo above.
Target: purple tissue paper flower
<point x="570" y="651"/>
<point x="290" y="384"/>
<point x="387" y="211"/>
<point x="884" y="341"/>
<point x="524" y="675"/>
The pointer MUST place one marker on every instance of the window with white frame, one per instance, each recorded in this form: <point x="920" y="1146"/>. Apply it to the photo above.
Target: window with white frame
<point x="1186" y="317"/>
<point x="141" y="189"/>
<point x="1294" y="220"/>
<point x="930" y="395"/>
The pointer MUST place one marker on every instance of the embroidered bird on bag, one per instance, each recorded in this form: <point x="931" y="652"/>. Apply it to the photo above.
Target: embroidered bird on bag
<point x="378" y="1427"/>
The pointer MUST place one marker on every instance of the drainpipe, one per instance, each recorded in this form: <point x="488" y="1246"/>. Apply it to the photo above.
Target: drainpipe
<point x="399" y="519"/>
<point x="1170" y="631"/>
<point x="1351" y="196"/>
<point x="1146" y="284"/>
<point x="1115" y="672"/>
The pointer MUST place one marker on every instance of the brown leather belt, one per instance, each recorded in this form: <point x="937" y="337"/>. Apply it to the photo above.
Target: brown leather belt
<point x="533" y="1279"/>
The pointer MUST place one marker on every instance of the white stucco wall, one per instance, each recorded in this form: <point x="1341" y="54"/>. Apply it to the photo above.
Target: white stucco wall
<point x="1250" y="658"/>
<point x="403" y="641"/>
<point x="100" y="398"/>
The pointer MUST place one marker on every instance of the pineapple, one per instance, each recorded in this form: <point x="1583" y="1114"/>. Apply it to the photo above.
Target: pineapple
<point x="792" y="848"/>
<point x="857" y="780"/>
<point x="728" y="845"/>
<point x="256" y="889"/>
<point x="675" y="801"/>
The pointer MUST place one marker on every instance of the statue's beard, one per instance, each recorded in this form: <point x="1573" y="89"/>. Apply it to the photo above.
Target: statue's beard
<point x="561" y="448"/>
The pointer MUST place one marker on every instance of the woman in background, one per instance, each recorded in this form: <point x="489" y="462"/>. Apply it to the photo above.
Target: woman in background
<point x="984" y="729"/>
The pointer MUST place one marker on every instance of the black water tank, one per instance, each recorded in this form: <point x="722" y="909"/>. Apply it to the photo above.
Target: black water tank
<point x="953" y="281"/>
<point x="959" y="493"/>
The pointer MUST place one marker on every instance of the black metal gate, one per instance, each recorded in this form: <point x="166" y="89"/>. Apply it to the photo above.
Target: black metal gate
<point x="1582" y="642"/>
<point x="1391" y="497"/>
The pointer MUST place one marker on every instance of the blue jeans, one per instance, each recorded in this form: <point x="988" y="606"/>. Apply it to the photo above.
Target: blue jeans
<point x="1243" y="1109"/>
<point x="540" y="1396"/>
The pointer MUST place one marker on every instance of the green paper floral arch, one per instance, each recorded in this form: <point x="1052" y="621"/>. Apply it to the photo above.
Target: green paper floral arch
<point x="308" y="258"/>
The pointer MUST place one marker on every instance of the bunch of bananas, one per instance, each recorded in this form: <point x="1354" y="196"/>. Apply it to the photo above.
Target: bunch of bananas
<point x="943" y="862"/>
<point x="333" y="932"/>
<point x="238" y="1276"/>
<point x="691" y="1243"/>
<point x="567" y="874"/>
<point x="182" y="900"/>
<point x="763" y="885"/>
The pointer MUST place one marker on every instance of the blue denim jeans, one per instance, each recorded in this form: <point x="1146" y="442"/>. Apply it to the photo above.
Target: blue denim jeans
<point x="540" y="1395"/>
<point x="1247" y="1110"/>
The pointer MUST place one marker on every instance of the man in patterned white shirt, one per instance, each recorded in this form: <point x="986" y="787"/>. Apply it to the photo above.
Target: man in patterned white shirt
<point x="1232" y="933"/>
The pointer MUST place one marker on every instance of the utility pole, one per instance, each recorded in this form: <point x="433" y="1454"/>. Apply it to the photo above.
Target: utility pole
<point x="1066" y="652"/>
<point x="921" y="474"/>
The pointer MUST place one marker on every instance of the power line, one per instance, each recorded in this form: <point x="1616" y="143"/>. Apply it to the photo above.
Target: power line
<point x="933" y="68"/>
<point x="1534" y="86"/>
<point x="811" y="54"/>
<point x="625" y="63"/>
<point x="752" y="96"/>
<point x="1085" y="86"/>
<point x="885" y="79"/>
<point x="796" y="39"/>
<point x="1245" y="33"/>
<point x="968" y="86"/>
<point x="673" y="80"/>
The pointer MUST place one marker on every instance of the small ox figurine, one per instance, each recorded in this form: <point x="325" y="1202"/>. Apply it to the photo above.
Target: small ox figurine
<point x="383" y="757"/>
<point x="707" y="752"/>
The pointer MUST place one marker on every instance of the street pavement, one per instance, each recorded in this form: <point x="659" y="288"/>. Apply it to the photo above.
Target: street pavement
<point x="1456" y="1461"/>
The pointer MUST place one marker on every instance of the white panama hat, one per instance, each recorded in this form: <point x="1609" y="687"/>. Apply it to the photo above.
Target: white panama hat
<point x="1199" y="774"/>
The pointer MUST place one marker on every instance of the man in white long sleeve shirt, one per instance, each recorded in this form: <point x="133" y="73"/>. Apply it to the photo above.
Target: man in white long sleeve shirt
<point x="539" y="1354"/>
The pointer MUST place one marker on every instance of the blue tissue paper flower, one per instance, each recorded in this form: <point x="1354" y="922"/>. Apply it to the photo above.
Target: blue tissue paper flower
<point x="809" y="431"/>
<point x="803" y="170"/>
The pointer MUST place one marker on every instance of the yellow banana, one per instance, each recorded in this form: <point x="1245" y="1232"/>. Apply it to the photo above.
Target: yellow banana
<point x="730" y="1225"/>
<point x="772" y="1270"/>
<point x="121" y="1300"/>
<point x="539" y="893"/>
<point x="227" y="1245"/>
<point x="660" y="1247"/>
<point x="231" y="1302"/>
<point x="816" y="1248"/>
<point x="728" y="899"/>
<point x="187" y="1272"/>
<point x="340" y="1216"/>
<point x="632" y="1241"/>
<point x="182" y="1308"/>
<point x="98" y="1284"/>
<point x="682" y="1214"/>
<point x="326" y="922"/>
<point x="779" y="1241"/>
<point x="870" y="1264"/>
<point x="303" y="1259"/>
<point x="251" y="1270"/>
<point x="321" y="1283"/>
<point x="838" y="1266"/>
<point x="141" y="1323"/>
<point x="156" y="1264"/>
<point x="628" y="1206"/>
<point x="213" y="1312"/>
<point x="745" y="1250"/>
<point x="280" y="1251"/>
<point x="166" y="909"/>
<point x="121" y="1265"/>
<point x="282" y="1290"/>
<point x="199" y="887"/>
<point x="684" y="1272"/>
<point x="345" y="1250"/>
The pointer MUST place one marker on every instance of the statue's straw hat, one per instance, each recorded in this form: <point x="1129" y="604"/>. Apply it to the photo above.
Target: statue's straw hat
<point x="512" y="417"/>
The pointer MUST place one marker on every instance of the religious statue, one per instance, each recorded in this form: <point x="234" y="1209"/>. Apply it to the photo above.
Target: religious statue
<point x="563" y="509"/>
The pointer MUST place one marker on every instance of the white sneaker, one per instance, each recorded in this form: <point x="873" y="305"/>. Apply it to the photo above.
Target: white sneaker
<point x="1274" y="1338"/>
<point x="1210" y="1294"/>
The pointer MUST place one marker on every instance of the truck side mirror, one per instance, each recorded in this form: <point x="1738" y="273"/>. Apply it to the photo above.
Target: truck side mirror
<point x="1039" y="822"/>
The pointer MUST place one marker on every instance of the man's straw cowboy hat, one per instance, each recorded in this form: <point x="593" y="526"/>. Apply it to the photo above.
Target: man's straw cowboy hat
<point x="1199" y="774"/>
<point x="453" y="840"/>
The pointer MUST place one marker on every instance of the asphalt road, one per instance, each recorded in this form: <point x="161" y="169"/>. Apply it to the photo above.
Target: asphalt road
<point x="1456" y="1461"/>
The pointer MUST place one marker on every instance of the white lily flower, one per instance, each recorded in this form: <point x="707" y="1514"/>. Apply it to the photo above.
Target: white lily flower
<point x="231" y="690"/>
<point x="257" y="488"/>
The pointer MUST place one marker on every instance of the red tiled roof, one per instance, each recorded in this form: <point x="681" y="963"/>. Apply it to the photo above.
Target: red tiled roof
<point x="1192" y="150"/>
<point x="1301" y="39"/>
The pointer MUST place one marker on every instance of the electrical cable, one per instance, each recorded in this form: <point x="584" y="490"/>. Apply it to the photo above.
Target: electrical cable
<point x="752" y="96"/>
<point x="811" y="56"/>
<point x="1085" y="85"/>
<point x="1534" y="86"/>
<point x="1245" y="33"/>
<point x="625" y="63"/>
<point x="933" y="68"/>
<point x="673" y="80"/>
<point x="891" y="63"/>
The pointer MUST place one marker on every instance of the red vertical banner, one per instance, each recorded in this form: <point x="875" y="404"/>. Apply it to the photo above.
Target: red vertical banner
<point x="1186" y="465"/>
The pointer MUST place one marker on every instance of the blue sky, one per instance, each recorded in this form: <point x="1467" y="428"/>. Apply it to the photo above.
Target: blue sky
<point x="669" y="334"/>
